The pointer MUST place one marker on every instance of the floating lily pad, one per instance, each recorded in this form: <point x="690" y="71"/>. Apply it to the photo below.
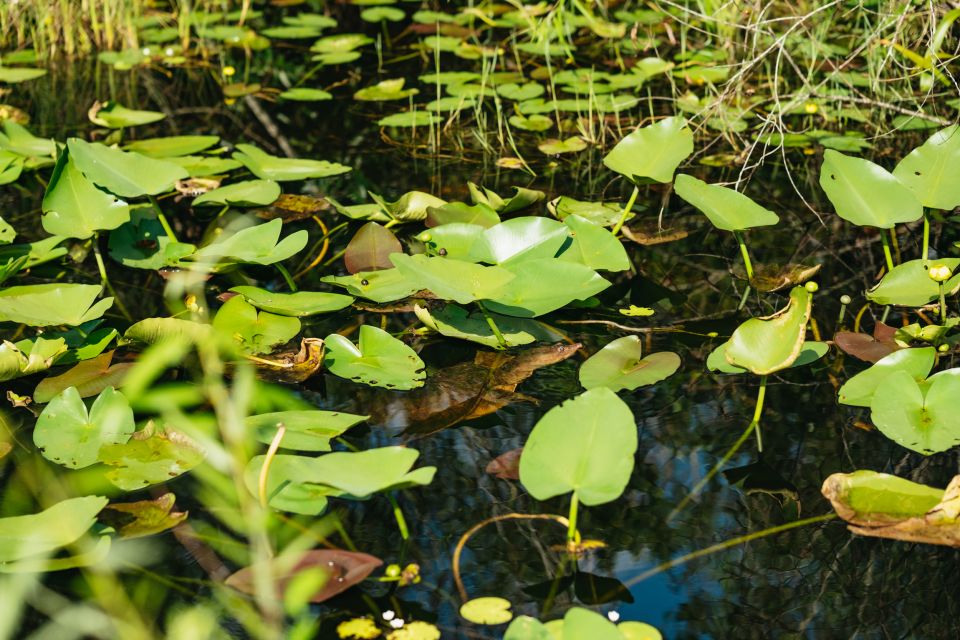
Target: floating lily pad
<point x="249" y="193"/>
<point x="172" y="146"/>
<point x="584" y="445"/>
<point x="44" y="305"/>
<point x="923" y="419"/>
<point x="767" y="345"/>
<point x="385" y="90"/>
<point x="865" y="193"/>
<point x="150" y="459"/>
<point x="909" y="284"/>
<point x="310" y="430"/>
<point x="73" y="207"/>
<point x="68" y="435"/>
<point x="116" y="116"/>
<point x="125" y="173"/>
<point x="268" y="167"/>
<point x="379" y="360"/>
<point x="255" y="331"/>
<point x="652" y="152"/>
<point x="488" y="610"/>
<point x="300" y="304"/>
<point x="726" y="208"/>
<point x="620" y="365"/>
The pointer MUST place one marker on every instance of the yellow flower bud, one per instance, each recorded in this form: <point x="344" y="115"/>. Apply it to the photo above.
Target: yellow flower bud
<point x="939" y="272"/>
<point x="810" y="107"/>
<point x="228" y="71"/>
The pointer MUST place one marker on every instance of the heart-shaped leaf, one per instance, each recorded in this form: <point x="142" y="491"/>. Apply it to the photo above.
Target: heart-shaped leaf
<point x="585" y="445"/>
<point x="300" y="304"/>
<point x="150" y="458"/>
<point x="928" y="170"/>
<point x="620" y="365"/>
<point x="923" y="419"/>
<point x="255" y="331"/>
<point x="909" y="285"/>
<point x="379" y="360"/>
<point x="865" y="193"/>
<point x="124" y="173"/>
<point x="73" y="207"/>
<point x="44" y="305"/>
<point x="766" y="345"/>
<point x="68" y="435"/>
<point x="726" y="208"/>
<point x="370" y="249"/>
<point x="652" y="152"/>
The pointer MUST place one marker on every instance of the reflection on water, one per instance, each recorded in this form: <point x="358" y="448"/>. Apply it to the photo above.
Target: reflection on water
<point x="816" y="582"/>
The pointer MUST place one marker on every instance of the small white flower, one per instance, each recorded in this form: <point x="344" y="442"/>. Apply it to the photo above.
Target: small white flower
<point x="396" y="623"/>
<point x="613" y="616"/>
<point x="389" y="615"/>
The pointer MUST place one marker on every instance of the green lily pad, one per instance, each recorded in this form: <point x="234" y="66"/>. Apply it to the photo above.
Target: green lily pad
<point x="255" y="331"/>
<point x="73" y="207"/>
<point x="172" y="146"/>
<point x="545" y="285"/>
<point x="116" y="116"/>
<point x="767" y="345"/>
<point x="385" y="90"/>
<point x="305" y="430"/>
<point x="305" y="94"/>
<point x="927" y="170"/>
<point x="456" y="322"/>
<point x="268" y="167"/>
<point x="585" y="445"/>
<point x="383" y="286"/>
<point x="150" y="459"/>
<point x="652" y="152"/>
<point x="410" y="119"/>
<point x="487" y="610"/>
<point x="726" y="209"/>
<point x="620" y="365"/>
<point x="451" y="279"/>
<point x="383" y="14"/>
<point x="157" y="330"/>
<point x="594" y="246"/>
<point x="17" y="139"/>
<point x="379" y="360"/>
<point x="909" y="285"/>
<point x="875" y="499"/>
<point x="29" y="356"/>
<point x="68" y="435"/>
<point x="89" y="377"/>
<point x="249" y="193"/>
<point x="259" y="244"/>
<point x="124" y="173"/>
<point x="865" y="193"/>
<point x="300" y="304"/>
<point x="41" y="534"/>
<point x="553" y="147"/>
<point x="45" y="305"/>
<point x="605" y="214"/>
<point x="923" y="419"/>
<point x="13" y="75"/>
<point x="858" y="391"/>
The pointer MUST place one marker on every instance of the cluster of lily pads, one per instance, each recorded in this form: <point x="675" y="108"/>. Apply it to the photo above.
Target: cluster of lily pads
<point x="213" y="218"/>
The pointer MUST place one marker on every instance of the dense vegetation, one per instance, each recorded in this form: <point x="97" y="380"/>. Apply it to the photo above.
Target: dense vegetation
<point x="302" y="302"/>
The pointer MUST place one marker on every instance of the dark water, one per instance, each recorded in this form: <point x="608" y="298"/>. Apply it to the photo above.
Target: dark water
<point x="814" y="582"/>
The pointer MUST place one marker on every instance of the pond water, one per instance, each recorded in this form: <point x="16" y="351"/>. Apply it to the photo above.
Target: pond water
<point x="818" y="581"/>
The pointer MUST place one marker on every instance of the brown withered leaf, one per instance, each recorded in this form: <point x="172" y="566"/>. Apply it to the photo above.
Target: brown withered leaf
<point x="649" y="233"/>
<point x="506" y="466"/>
<point x="939" y="525"/>
<point x="866" y="347"/>
<point x="344" y="569"/>
<point x="290" y="207"/>
<point x="194" y="187"/>
<point x="461" y="392"/>
<point x="143" y="518"/>
<point x="291" y="367"/>
<point x="774" y="277"/>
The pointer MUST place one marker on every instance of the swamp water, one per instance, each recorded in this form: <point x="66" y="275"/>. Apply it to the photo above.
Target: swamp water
<point x="817" y="581"/>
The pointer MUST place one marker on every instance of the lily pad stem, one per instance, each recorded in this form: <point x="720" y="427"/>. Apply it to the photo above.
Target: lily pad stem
<point x="747" y="265"/>
<point x="886" y="250"/>
<point x="101" y="267"/>
<point x="493" y="325"/>
<point x="286" y="276"/>
<point x="267" y="461"/>
<point x="572" y="533"/>
<point x="726" y="544"/>
<point x="926" y="239"/>
<point x="713" y="471"/>
<point x="943" y="306"/>
<point x="758" y="410"/>
<point x="398" y="516"/>
<point x="162" y="219"/>
<point x="626" y="210"/>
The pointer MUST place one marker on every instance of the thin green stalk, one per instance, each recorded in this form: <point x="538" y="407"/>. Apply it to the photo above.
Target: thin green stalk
<point x="943" y="305"/>
<point x="398" y="516"/>
<point x="267" y="462"/>
<point x="163" y="219"/>
<point x="721" y="546"/>
<point x="572" y="534"/>
<point x="493" y="325"/>
<point x="746" y="254"/>
<point x="626" y="210"/>
<point x="886" y="250"/>
<point x="926" y="239"/>
<point x="102" y="268"/>
<point x="286" y="276"/>
<point x="751" y="428"/>
<point x="758" y="410"/>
